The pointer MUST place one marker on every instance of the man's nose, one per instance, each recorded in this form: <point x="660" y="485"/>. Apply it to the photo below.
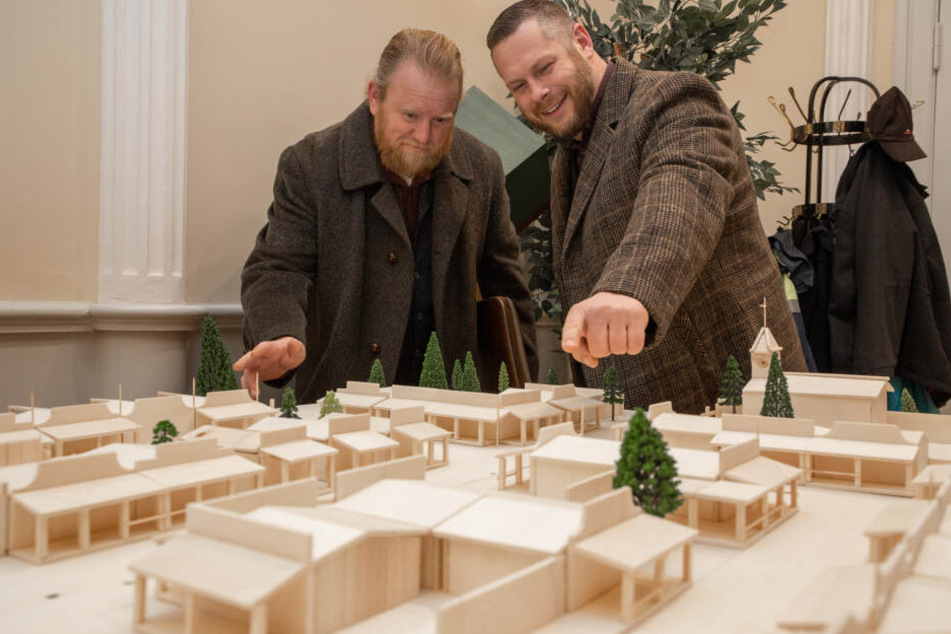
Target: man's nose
<point x="422" y="133"/>
<point x="539" y="92"/>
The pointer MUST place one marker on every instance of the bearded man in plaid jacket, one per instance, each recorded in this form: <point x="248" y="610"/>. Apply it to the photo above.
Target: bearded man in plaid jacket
<point x="659" y="253"/>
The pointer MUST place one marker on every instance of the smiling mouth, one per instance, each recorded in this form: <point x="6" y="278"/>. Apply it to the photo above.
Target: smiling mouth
<point x="554" y="108"/>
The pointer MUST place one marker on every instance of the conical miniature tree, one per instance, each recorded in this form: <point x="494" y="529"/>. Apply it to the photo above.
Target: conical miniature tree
<point x="163" y="432"/>
<point x="613" y="392"/>
<point x="214" y="368"/>
<point x="470" y="377"/>
<point x="376" y="373"/>
<point x="434" y="370"/>
<point x="331" y="404"/>
<point x="908" y="401"/>
<point x="647" y="467"/>
<point x="776" y="400"/>
<point x="289" y="404"/>
<point x="731" y="386"/>
<point x="503" y="378"/>
<point x="552" y="376"/>
<point x="457" y="375"/>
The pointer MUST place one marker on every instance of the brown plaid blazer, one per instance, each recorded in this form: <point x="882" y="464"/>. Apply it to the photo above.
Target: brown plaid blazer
<point x="664" y="210"/>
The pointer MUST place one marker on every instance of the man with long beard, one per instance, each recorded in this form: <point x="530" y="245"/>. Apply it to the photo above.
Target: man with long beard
<point x="382" y="226"/>
<point x="659" y="254"/>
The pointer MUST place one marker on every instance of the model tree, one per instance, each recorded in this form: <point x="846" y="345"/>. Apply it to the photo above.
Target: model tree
<point x="776" y="400"/>
<point x="289" y="404"/>
<point x="376" y="373"/>
<point x="457" y="375"/>
<point x="647" y="467"/>
<point x="470" y="377"/>
<point x="163" y="432"/>
<point x="331" y="404"/>
<point x="908" y="401"/>
<point x="552" y="376"/>
<point x="731" y="386"/>
<point x="503" y="378"/>
<point x="613" y="391"/>
<point x="434" y="370"/>
<point x="214" y="368"/>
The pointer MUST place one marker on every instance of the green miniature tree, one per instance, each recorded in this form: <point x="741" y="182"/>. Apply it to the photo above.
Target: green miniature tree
<point x="470" y="377"/>
<point x="331" y="404"/>
<point x="289" y="404"/>
<point x="613" y="392"/>
<point x="376" y="373"/>
<point x="552" y="376"/>
<point x="457" y="375"/>
<point x="731" y="386"/>
<point x="776" y="400"/>
<point x="503" y="378"/>
<point x="214" y="368"/>
<point x="164" y="431"/>
<point x="908" y="401"/>
<point x="434" y="370"/>
<point x="647" y="467"/>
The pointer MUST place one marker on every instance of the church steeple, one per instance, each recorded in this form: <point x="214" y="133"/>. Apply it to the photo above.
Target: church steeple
<point x="763" y="348"/>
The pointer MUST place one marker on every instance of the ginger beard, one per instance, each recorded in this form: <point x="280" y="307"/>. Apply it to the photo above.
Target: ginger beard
<point x="406" y="157"/>
<point x="581" y="92"/>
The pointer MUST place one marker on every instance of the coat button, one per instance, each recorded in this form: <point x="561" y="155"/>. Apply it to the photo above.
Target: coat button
<point x="375" y="348"/>
<point x="392" y="259"/>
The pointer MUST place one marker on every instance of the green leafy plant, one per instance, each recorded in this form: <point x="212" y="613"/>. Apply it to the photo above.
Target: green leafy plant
<point x="434" y="370"/>
<point x="552" y="377"/>
<point x="731" y="386"/>
<point x="330" y="405"/>
<point x="776" y="401"/>
<point x="376" y="373"/>
<point x="503" y="378"/>
<point x="648" y="468"/>
<point x="163" y="432"/>
<point x="613" y="390"/>
<point x="289" y="404"/>
<point x="214" y="367"/>
<point x="456" y="381"/>
<point x="707" y="37"/>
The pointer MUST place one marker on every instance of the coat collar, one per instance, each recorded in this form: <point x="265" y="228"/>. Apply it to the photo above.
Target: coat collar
<point x="615" y="100"/>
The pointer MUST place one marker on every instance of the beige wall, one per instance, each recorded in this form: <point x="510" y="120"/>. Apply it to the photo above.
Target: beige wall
<point x="49" y="149"/>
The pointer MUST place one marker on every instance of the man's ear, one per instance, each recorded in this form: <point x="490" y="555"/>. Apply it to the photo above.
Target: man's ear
<point x="582" y="39"/>
<point x="373" y="96"/>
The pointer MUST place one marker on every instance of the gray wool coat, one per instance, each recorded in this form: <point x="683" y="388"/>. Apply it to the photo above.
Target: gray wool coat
<point x="334" y="265"/>
<point x="664" y="210"/>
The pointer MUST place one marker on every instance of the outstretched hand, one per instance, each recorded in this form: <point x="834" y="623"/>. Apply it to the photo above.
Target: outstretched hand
<point x="604" y="324"/>
<point x="269" y="360"/>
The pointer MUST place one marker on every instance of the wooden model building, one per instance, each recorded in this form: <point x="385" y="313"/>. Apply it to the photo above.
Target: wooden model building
<point x="359" y="397"/>
<point x="732" y="494"/>
<point x="20" y="442"/>
<point x="78" y="428"/>
<point x="232" y="408"/>
<point x="274" y="561"/>
<point x="72" y="505"/>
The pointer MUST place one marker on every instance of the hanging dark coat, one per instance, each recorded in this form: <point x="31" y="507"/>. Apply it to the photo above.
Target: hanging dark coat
<point x="890" y="308"/>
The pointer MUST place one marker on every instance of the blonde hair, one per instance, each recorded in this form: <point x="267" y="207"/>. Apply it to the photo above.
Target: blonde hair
<point x="434" y="53"/>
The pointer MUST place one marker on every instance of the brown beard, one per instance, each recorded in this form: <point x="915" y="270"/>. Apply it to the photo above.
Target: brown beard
<point x="581" y="91"/>
<point x="402" y="160"/>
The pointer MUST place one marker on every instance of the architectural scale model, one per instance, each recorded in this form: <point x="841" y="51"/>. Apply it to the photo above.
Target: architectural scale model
<point x="232" y="408"/>
<point x="20" y="442"/>
<point x="275" y="561"/>
<point x="78" y="428"/>
<point x="75" y="504"/>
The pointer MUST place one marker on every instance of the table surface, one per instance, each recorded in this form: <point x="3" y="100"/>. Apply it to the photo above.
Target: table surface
<point x="734" y="591"/>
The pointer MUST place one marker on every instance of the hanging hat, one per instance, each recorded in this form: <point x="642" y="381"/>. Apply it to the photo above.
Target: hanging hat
<point x="889" y="123"/>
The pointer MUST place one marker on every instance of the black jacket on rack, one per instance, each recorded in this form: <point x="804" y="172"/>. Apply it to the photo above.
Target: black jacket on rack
<point x="890" y="308"/>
